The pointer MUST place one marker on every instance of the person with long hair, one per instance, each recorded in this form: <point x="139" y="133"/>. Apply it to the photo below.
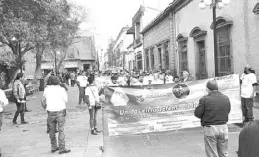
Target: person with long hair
<point x="92" y="97"/>
<point x="19" y="94"/>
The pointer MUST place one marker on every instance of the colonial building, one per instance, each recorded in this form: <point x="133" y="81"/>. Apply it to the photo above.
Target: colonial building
<point x="130" y="58"/>
<point x="81" y="56"/>
<point x="120" y="47"/>
<point x="140" y="20"/>
<point x="181" y="38"/>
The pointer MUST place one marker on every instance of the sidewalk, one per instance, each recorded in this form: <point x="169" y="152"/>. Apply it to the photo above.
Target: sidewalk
<point x="31" y="140"/>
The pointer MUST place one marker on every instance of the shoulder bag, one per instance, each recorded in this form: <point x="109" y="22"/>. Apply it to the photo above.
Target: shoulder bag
<point x="97" y="104"/>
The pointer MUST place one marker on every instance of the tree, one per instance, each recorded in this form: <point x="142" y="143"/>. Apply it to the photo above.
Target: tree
<point x="18" y="22"/>
<point x="62" y="26"/>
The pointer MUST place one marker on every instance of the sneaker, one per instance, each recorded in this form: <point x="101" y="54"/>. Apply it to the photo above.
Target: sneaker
<point x="64" y="151"/>
<point x="24" y="122"/>
<point x="96" y="130"/>
<point x="54" y="150"/>
<point x="14" y="122"/>
<point x="93" y="132"/>
<point x="27" y="110"/>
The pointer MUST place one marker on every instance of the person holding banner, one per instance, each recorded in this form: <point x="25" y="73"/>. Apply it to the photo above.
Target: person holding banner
<point x="248" y="88"/>
<point x="92" y="97"/>
<point x="186" y="77"/>
<point x="213" y="110"/>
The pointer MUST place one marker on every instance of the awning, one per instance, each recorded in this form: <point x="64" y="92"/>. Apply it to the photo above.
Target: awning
<point x="131" y="30"/>
<point x="70" y="65"/>
<point x="45" y="66"/>
<point x="256" y="8"/>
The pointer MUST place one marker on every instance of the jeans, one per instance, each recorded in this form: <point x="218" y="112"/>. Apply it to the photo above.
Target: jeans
<point x="247" y="108"/>
<point x="81" y="94"/>
<point x="20" y="110"/>
<point x="73" y="83"/>
<point x="54" y="119"/>
<point x="93" y="115"/>
<point x="216" y="140"/>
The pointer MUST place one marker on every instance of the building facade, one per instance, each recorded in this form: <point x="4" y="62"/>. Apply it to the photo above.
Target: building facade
<point x="120" y="48"/>
<point x="185" y="34"/>
<point x="140" y="20"/>
<point x="80" y="56"/>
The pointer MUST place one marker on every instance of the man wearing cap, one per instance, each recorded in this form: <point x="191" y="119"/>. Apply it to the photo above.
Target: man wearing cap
<point x="213" y="110"/>
<point x="248" y="88"/>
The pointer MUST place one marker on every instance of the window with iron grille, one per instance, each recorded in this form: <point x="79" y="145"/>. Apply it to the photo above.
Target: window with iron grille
<point x="183" y="56"/>
<point x="166" y="54"/>
<point x="152" y="58"/>
<point x="223" y="55"/>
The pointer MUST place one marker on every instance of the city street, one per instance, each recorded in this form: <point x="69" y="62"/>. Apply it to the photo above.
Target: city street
<point x="31" y="140"/>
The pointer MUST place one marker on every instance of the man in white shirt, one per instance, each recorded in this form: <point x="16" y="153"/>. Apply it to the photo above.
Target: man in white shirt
<point x="82" y="83"/>
<point x="56" y="97"/>
<point x="3" y="102"/>
<point x="248" y="88"/>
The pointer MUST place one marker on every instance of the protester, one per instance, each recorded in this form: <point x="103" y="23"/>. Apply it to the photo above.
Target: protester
<point x="248" y="88"/>
<point x="19" y="95"/>
<point x="169" y="78"/>
<point x="3" y="102"/>
<point x="176" y="79"/>
<point x="248" y="140"/>
<point x="92" y="97"/>
<point x="186" y="77"/>
<point x="56" y="97"/>
<point x="213" y="110"/>
<point x="72" y="78"/>
<point x="81" y="82"/>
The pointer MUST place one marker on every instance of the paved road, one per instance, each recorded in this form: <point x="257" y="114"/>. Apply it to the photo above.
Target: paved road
<point x="32" y="140"/>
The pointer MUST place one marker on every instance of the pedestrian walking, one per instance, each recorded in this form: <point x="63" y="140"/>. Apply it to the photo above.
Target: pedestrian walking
<point x="3" y="102"/>
<point x="213" y="110"/>
<point x="19" y="93"/>
<point x="56" y="97"/>
<point x="248" y="88"/>
<point x="82" y="82"/>
<point x="92" y="98"/>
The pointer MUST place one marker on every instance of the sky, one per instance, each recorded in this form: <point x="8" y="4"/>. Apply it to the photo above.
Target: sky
<point x="107" y="17"/>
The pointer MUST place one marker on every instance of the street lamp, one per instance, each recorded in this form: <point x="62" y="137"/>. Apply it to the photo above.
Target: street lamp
<point x="214" y="4"/>
<point x="19" y="51"/>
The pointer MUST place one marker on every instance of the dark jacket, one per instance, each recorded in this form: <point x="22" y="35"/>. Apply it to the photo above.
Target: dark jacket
<point x="213" y="109"/>
<point x="248" y="140"/>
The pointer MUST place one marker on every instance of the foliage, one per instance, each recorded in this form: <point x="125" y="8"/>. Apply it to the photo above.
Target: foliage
<point x="41" y="24"/>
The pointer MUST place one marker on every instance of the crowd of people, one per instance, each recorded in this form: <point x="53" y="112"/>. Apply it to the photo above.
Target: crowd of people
<point x="213" y="109"/>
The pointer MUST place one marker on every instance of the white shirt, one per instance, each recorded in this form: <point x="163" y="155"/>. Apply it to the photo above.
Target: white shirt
<point x="56" y="98"/>
<point x="247" y="84"/>
<point x="93" y="93"/>
<point x="82" y="80"/>
<point x="3" y="100"/>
